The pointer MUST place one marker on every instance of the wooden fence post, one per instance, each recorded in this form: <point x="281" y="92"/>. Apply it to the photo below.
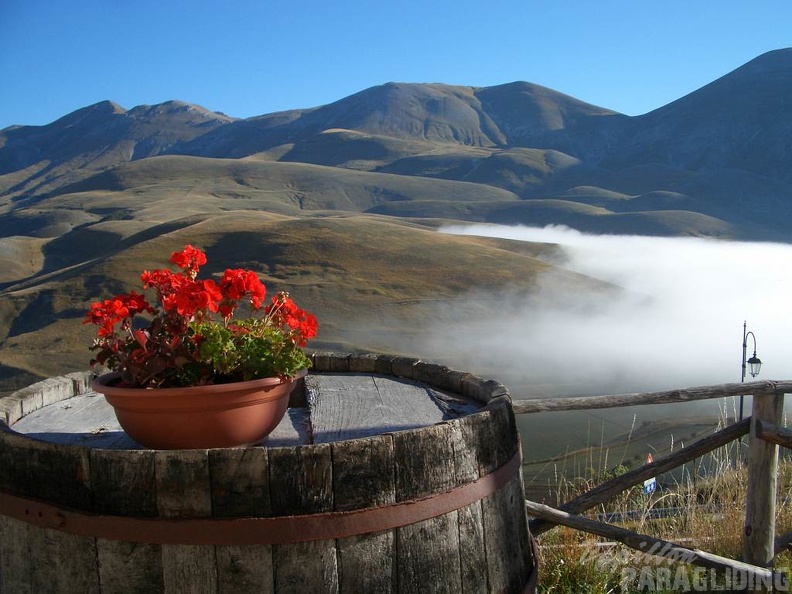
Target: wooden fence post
<point x="760" y="509"/>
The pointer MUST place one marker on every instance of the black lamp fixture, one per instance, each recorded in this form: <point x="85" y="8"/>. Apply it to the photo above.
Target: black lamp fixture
<point x="754" y="363"/>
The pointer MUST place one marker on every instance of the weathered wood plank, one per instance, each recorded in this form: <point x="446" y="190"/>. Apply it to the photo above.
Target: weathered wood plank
<point x="465" y="434"/>
<point x="183" y="484"/>
<point x="11" y="409"/>
<point x="129" y="568"/>
<point x="16" y="564"/>
<point x="773" y="433"/>
<point x="82" y="413"/>
<point x="240" y="488"/>
<point x="33" y="397"/>
<point x="240" y="482"/>
<point x="481" y="389"/>
<point x="363" y="477"/>
<point x="428" y="558"/>
<point x="45" y="392"/>
<point x="537" y="405"/>
<point x="301" y="482"/>
<point x="506" y="533"/>
<point x="384" y="364"/>
<point x="439" y="376"/>
<point x="81" y="380"/>
<point x="509" y="557"/>
<point x="88" y="420"/>
<point x="330" y="361"/>
<point x="362" y="363"/>
<point x="85" y="420"/>
<point x="404" y="367"/>
<point x="184" y="491"/>
<point x="783" y="542"/>
<point x="245" y="569"/>
<point x="453" y="405"/>
<point x="760" y="504"/>
<point x="124" y="484"/>
<point x="44" y="470"/>
<point x="428" y="551"/>
<point x="62" y="563"/>
<point x="293" y="430"/>
<point x="346" y="406"/>
<point x="189" y="569"/>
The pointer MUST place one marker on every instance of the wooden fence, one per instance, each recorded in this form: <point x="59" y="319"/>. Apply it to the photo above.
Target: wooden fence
<point x="765" y="434"/>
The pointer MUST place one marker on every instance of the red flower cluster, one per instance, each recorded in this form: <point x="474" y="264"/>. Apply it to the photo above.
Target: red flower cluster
<point x="183" y="344"/>
<point x="189" y="260"/>
<point x="235" y="284"/>
<point x="106" y="314"/>
<point x="283" y="311"/>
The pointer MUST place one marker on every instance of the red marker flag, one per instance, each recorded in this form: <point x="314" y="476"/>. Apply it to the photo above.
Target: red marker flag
<point x="650" y="485"/>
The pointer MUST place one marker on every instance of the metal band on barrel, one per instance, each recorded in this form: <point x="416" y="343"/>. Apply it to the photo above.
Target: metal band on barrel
<point x="265" y="531"/>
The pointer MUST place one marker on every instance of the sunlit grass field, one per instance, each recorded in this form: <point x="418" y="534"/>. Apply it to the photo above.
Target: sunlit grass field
<point x="700" y="506"/>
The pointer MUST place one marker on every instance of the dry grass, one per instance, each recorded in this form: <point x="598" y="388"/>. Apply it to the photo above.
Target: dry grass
<point x="355" y="271"/>
<point x="706" y="511"/>
<point x="21" y="257"/>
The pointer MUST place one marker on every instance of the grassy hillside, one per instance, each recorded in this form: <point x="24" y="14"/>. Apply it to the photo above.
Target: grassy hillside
<point x="319" y="231"/>
<point x="360" y="274"/>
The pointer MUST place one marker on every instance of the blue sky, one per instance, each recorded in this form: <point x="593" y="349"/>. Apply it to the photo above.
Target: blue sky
<point x="246" y="57"/>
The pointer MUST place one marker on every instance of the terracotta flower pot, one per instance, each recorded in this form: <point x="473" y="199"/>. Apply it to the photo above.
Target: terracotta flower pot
<point x="216" y="416"/>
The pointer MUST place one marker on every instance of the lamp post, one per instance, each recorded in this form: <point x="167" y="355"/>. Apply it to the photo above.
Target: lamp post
<point x="754" y="363"/>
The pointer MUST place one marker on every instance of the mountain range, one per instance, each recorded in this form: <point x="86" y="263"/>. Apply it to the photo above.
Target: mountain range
<point x="88" y="198"/>
<point x="712" y="163"/>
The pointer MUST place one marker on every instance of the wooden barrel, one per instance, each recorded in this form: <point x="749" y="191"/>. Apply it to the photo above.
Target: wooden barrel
<point x="353" y="506"/>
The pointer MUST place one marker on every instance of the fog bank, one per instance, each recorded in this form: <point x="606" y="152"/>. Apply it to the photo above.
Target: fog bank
<point x="677" y="323"/>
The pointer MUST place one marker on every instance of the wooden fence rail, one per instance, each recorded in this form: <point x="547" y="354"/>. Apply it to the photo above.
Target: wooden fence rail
<point x="649" y="545"/>
<point x="610" y="488"/>
<point x="765" y="434"/>
<point x="538" y="405"/>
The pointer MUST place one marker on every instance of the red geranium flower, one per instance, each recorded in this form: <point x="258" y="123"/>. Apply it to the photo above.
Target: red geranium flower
<point x="189" y="260"/>
<point x="181" y="343"/>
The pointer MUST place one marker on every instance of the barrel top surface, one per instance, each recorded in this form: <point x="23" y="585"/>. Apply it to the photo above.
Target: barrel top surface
<point x="338" y="406"/>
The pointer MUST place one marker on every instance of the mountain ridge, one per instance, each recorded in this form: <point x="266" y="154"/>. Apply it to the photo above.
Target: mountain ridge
<point x="745" y="116"/>
<point x="708" y="129"/>
<point x="341" y="202"/>
<point x="718" y="154"/>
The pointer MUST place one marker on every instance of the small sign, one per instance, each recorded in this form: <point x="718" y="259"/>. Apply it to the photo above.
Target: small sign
<point x="650" y="484"/>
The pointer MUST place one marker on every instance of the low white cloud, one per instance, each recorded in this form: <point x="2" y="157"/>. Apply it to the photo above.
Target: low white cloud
<point x="677" y="323"/>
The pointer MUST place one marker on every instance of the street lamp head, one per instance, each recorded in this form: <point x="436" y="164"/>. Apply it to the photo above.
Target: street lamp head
<point x="755" y="364"/>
